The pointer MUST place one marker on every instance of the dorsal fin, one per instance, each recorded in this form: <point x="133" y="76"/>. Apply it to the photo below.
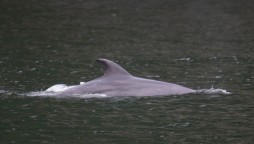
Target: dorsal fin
<point x="111" y="68"/>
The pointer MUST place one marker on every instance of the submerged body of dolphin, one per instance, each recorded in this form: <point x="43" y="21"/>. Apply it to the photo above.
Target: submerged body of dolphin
<point x="116" y="81"/>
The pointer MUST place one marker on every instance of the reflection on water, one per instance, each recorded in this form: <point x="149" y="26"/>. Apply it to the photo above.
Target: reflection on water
<point x="198" y="44"/>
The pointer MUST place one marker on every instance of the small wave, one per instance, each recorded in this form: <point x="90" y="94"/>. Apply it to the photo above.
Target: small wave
<point x="213" y="91"/>
<point x="3" y="91"/>
<point x="39" y="93"/>
<point x="60" y="87"/>
<point x="52" y="94"/>
<point x="51" y="91"/>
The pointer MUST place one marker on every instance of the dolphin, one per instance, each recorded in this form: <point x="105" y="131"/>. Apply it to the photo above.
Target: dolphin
<point x="116" y="81"/>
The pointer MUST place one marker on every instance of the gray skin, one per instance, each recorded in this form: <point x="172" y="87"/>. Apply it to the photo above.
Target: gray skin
<point x="116" y="81"/>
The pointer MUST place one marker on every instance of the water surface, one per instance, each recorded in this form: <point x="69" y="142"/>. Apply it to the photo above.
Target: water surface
<point x="198" y="44"/>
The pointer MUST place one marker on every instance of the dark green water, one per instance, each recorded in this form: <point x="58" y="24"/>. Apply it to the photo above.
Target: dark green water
<point x="195" y="43"/>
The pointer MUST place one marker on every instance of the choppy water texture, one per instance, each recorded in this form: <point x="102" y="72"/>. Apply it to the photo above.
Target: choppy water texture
<point x="195" y="43"/>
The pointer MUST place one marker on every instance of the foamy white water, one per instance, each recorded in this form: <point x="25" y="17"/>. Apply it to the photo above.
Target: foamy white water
<point x="213" y="91"/>
<point x="2" y="91"/>
<point x="51" y="91"/>
<point x="58" y="88"/>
